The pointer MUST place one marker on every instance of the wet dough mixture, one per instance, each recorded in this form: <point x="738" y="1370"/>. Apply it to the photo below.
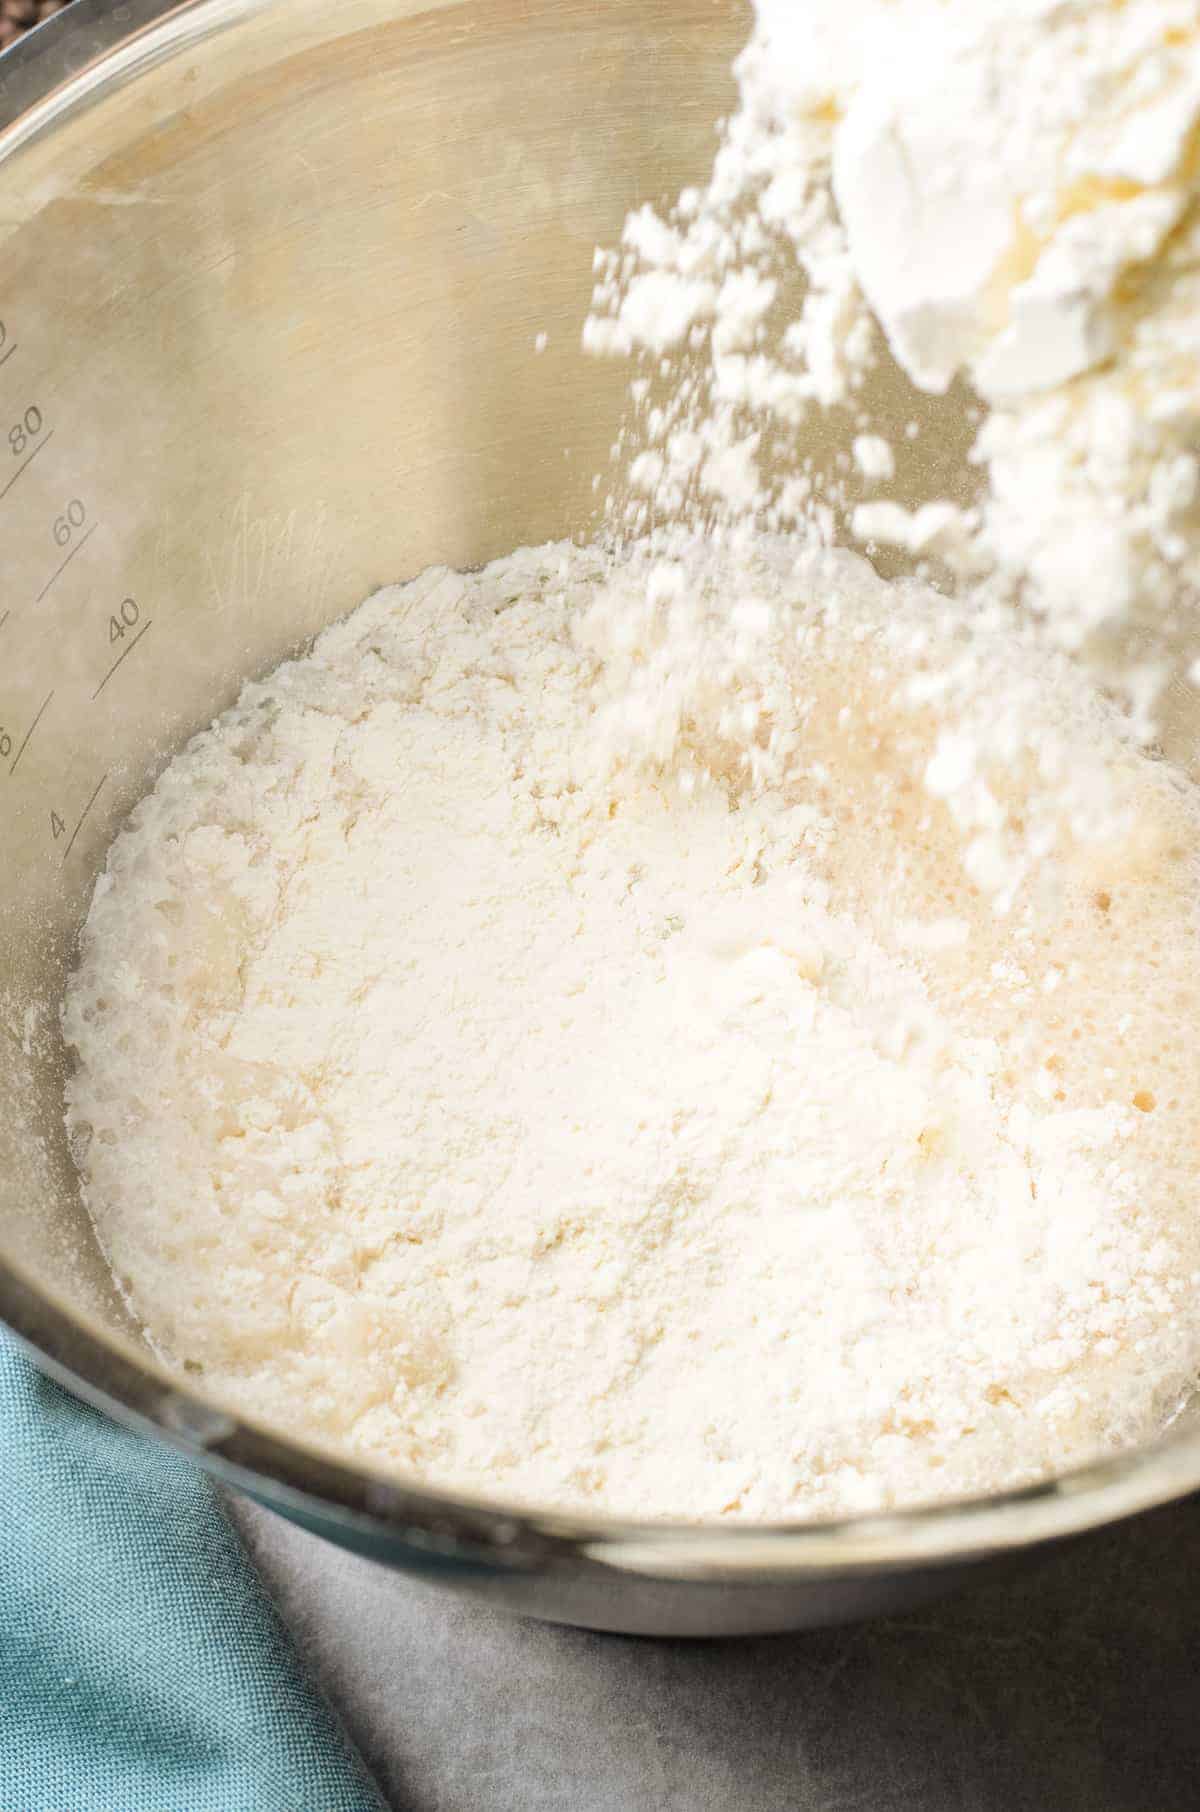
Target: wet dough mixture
<point x="632" y="1099"/>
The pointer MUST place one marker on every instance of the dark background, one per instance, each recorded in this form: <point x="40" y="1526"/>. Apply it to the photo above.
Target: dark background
<point x="1071" y="1686"/>
<point x="16" y="16"/>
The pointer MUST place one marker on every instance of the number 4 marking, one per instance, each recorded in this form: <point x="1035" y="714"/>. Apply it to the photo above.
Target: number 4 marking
<point x="57" y="825"/>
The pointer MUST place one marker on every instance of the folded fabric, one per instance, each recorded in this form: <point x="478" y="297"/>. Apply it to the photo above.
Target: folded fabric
<point x="142" y="1668"/>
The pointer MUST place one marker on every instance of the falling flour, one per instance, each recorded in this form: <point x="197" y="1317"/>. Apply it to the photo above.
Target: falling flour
<point x="1002" y="192"/>
<point x="575" y="1089"/>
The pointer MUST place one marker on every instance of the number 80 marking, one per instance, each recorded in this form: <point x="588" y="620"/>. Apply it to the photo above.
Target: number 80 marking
<point x="27" y="429"/>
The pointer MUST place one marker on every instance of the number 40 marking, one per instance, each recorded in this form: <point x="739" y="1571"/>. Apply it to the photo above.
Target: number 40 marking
<point x="123" y="619"/>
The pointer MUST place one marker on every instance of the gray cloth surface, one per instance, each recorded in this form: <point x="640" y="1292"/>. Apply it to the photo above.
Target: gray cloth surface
<point x="1073" y="1687"/>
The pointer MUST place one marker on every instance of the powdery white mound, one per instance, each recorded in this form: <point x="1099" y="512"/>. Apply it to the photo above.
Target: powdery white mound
<point x="548" y="1040"/>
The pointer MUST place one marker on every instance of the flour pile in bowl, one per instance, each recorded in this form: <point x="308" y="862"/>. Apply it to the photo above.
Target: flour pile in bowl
<point x="462" y="1084"/>
<point x="689" y="1027"/>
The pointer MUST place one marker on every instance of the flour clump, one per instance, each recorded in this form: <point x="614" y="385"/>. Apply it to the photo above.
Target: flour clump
<point x="979" y="193"/>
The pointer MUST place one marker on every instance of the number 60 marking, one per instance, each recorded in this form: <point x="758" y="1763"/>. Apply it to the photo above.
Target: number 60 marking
<point x="72" y="518"/>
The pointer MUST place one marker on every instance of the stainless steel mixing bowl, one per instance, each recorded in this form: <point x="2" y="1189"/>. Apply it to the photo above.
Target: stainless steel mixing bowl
<point x="271" y="277"/>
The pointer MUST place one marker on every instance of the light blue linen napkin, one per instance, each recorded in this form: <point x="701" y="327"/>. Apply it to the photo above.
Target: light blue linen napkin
<point x="142" y="1668"/>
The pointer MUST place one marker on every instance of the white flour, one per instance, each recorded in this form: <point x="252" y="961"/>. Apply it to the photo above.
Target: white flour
<point x="683" y="1139"/>
<point x="1013" y="186"/>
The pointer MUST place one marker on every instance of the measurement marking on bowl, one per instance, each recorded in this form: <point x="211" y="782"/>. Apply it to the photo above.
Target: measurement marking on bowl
<point x="63" y="565"/>
<point x="4" y="618"/>
<point x="56" y="822"/>
<point x="124" y="655"/>
<point x="29" y="732"/>
<point x="6" y="356"/>
<point x="26" y="463"/>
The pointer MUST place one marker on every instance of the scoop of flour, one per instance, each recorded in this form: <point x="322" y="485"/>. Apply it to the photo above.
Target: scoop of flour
<point x="1010" y="193"/>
